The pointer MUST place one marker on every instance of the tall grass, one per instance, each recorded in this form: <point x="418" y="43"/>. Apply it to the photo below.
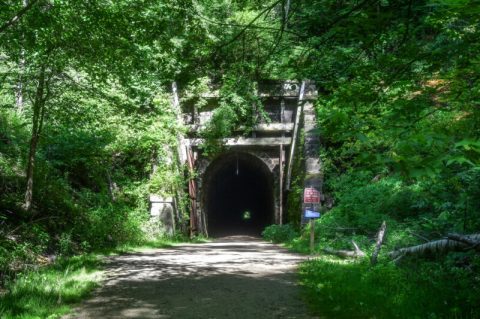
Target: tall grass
<point x="338" y="288"/>
<point x="50" y="291"/>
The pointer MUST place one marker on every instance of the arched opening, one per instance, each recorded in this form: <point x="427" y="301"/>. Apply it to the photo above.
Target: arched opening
<point x="238" y="195"/>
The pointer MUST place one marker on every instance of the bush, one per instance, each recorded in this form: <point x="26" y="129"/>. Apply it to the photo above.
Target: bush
<point x="279" y="233"/>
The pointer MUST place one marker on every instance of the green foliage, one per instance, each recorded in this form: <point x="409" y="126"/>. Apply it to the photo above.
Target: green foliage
<point x="49" y="292"/>
<point x="279" y="233"/>
<point x="92" y="181"/>
<point x="295" y="195"/>
<point x="397" y="112"/>
<point x="239" y="110"/>
<point x="346" y="289"/>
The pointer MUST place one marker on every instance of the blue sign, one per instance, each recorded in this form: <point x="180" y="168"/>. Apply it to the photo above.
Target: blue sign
<point x="311" y="214"/>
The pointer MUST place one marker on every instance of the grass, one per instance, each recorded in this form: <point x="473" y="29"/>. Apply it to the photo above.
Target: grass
<point x="162" y="242"/>
<point x="338" y="288"/>
<point x="51" y="291"/>
<point x="444" y="287"/>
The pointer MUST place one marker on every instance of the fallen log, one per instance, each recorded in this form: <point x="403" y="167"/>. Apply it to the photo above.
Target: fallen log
<point x="425" y="239"/>
<point x="439" y="246"/>
<point x="346" y="253"/>
<point x="378" y="245"/>
<point x="464" y="239"/>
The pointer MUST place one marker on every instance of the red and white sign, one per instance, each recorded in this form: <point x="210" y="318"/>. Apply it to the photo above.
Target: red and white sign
<point x="311" y="196"/>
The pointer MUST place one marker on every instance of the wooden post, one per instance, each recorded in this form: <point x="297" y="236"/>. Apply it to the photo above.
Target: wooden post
<point x="280" y="160"/>
<point x="280" y="186"/>
<point x="312" y="234"/>
<point x="192" y="191"/>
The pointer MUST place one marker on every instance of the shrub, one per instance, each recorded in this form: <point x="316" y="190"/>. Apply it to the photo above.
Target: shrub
<point x="279" y="233"/>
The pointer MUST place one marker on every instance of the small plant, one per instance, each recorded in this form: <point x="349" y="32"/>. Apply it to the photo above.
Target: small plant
<point x="66" y="245"/>
<point x="279" y="233"/>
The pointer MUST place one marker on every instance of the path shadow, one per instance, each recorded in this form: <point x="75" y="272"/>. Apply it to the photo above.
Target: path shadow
<point x="221" y="279"/>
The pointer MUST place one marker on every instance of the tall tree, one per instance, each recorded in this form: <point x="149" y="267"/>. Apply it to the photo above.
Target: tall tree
<point x="56" y="41"/>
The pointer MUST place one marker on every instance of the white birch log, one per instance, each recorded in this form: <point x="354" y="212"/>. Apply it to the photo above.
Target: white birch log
<point x="438" y="246"/>
<point x="378" y="245"/>
<point x="346" y="253"/>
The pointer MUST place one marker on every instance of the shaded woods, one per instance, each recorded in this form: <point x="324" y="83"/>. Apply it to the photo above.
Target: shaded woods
<point x="88" y="131"/>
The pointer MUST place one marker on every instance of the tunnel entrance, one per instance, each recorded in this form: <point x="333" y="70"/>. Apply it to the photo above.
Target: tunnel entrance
<point x="238" y="195"/>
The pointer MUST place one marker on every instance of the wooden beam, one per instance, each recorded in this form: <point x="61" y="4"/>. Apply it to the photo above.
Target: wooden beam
<point x="272" y="127"/>
<point x="247" y="141"/>
<point x="263" y="127"/>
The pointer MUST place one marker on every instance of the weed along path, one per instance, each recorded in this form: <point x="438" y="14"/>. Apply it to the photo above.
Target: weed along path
<point x="234" y="277"/>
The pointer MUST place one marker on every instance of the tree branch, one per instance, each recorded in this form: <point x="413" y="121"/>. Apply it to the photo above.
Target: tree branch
<point x="17" y="17"/>
<point x="249" y="25"/>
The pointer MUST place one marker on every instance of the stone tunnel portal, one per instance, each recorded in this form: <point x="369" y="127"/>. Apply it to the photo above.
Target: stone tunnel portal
<point x="238" y="195"/>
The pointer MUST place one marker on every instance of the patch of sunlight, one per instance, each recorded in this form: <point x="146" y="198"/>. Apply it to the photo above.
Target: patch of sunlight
<point x="333" y="260"/>
<point x="85" y="275"/>
<point x="48" y="292"/>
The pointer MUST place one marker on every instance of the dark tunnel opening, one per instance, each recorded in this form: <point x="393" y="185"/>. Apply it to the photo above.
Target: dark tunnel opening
<point x="238" y="197"/>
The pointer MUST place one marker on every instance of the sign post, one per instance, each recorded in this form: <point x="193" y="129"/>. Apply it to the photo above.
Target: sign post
<point x="311" y="196"/>
<point x="312" y="234"/>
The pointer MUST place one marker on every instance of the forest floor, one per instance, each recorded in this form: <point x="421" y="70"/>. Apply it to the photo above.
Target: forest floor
<point x="231" y="277"/>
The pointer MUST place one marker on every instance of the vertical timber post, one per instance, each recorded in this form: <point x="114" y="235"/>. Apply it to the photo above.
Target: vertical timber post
<point x="281" y="158"/>
<point x="281" y="185"/>
<point x="192" y="192"/>
<point x="312" y="235"/>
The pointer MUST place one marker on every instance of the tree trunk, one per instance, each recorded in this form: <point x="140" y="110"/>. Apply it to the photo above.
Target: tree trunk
<point x="19" y="100"/>
<point x="439" y="246"/>
<point x="37" y="124"/>
<point x="19" y="86"/>
<point x="468" y="240"/>
<point x="378" y="245"/>
<point x="30" y="171"/>
<point x="346" y="253"/>
<point x="112" y="187"/>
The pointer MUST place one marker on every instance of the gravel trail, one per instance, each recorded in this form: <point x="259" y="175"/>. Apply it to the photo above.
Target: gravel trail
<point x="233" y="277"/>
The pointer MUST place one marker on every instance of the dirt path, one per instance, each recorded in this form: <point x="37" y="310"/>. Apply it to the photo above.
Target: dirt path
<point x="235" y="277"/>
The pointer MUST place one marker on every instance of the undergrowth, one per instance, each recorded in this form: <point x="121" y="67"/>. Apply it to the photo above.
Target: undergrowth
<point x="49" y="292"/>
<point x="416" y="288"/>
<point x="353" y="289"/>
<point x="442" y="285"/>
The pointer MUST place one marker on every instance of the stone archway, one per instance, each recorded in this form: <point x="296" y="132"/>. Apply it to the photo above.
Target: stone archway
<point x="238" y="195"/>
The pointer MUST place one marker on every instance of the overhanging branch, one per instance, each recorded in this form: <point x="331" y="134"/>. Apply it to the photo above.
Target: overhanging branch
<point x="18" y="16"/>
